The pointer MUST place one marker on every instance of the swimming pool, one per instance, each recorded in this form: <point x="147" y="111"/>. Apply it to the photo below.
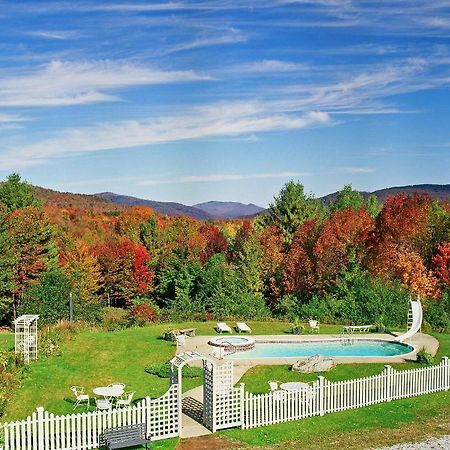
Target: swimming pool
<point x="337" y="348"/>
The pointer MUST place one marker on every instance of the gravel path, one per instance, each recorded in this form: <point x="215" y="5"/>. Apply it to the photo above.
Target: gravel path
<point x="442" y="443"/>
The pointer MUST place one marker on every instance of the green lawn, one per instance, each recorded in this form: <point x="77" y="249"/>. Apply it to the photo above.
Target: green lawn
<point x="96" y="358"/>
<point x="383" y="424"/>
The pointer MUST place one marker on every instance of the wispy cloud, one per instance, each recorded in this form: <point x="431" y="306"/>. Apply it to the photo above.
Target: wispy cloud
<point x="216" y="120"/>
<point x="59" y="35"/>
<point x="355" y="170"/>
<point x="73" y="83"/>
<point x="219" y="178"/>
<point x="269" y="65"/>
<point x="11" y="118"/>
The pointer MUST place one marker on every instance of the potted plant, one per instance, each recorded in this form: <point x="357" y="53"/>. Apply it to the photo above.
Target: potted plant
<point x="297" y="327"/>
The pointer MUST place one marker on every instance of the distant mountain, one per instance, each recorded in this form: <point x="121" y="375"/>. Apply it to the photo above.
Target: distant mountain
<point x="436" y="191"/>
<point x="167" y="208"/>
<point x="80" y="201"/>
<point x="229" y="210"/>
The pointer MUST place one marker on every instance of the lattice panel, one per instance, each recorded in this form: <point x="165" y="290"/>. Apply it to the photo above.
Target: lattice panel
<point x="228" y="408"/>
<point x="162" y="415"/>
<point x="208" y="394"/>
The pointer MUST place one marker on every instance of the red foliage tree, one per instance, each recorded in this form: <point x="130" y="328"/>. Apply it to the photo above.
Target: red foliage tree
<point x="298" y="273"/>
<point x="441" y="262"/>
<point x="345" y="230"/>
<point x="125" y="270"/>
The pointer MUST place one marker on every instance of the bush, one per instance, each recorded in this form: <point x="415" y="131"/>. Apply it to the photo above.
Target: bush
<point x="115" y="319"/>
<point x="424" y="357"/>
<point x="437" y="313"/>
<point x="297" y="328"/>
<point x="287" y="308"/>
<point x="143" y="314"/>
<point x="162" y="370"/>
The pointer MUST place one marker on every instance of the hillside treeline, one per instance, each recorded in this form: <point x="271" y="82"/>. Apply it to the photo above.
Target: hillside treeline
<point x="353" y="261"/>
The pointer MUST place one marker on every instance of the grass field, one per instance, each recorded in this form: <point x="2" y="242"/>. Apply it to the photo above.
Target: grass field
<point x="96" y="358"/>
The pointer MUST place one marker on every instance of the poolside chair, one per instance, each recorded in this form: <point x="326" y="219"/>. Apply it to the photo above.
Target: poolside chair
<point x="273" y="385"/>
<point x="314" y="326"/>
<point x="102" y="404"/>
<point x="181" y="340"/>
<point x="125" y="401"/>
<point x="222" y="327"/>
<point x="80" y="396"/>
<point x="242" y="327"/>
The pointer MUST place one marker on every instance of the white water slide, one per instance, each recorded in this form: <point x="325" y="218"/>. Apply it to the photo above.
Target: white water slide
<point x="417" y="316"/>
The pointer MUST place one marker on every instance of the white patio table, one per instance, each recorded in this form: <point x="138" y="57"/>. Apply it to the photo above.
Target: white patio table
<point x="294" y="386"/>
<point x="109" y="392"/>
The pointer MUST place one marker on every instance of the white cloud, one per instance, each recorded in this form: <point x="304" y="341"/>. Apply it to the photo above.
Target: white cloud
<point x="11" y="118"/>
<point x="73" y="83"/>
<point x="353" y="169"/>
<point x="60" y="35"/>
<point x="218" y="178"/>
<point x="269" y="65"/>
<point x="219" y="120"/>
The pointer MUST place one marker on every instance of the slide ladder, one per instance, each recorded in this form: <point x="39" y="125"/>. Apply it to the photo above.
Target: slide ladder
<point x="414" y="321"/>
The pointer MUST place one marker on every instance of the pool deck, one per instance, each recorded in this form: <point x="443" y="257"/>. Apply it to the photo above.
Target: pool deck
<point x="420" y="340"/>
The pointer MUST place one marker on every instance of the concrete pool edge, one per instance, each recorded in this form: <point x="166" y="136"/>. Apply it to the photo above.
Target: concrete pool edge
<point x="418" y="341"/>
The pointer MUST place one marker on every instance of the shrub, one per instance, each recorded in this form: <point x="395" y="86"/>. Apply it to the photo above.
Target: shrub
<point x="424" y="357"/>
<point x="143" y="314"/>
<point x="437" y="313"/>
<point x="162" y="370"/>
<point x="287" y="308"/>
<point x="168" y="334"/>
<point x="297" y="328"/>
<point x="115" y="319"/>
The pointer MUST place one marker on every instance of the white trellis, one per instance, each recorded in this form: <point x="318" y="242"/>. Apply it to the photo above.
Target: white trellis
<point x="221" y="402"/>
<point x="26" y="337"/>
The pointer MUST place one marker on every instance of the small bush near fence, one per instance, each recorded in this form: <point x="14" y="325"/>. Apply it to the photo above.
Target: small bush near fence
<point x="162" y="370"/>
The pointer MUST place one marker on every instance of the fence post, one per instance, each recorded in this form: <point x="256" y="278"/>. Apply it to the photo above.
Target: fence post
<point x="40" y="427"/>
<point x="242" y="391"/>
<point x="320" y="384"/>
<point x="446" y="364"/>
<point x="388" y="378"/>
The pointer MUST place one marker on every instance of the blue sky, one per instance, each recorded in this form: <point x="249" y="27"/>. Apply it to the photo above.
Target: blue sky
<point x="224" y="100"/>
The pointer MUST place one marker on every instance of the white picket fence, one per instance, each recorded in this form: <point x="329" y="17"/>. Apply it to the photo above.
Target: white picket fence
<point x="326" y="396"/>
<point x="46" y="431"/>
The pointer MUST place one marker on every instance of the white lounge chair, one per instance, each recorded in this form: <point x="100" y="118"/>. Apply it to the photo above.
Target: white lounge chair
<point x="222" y="327"/>
<point x="242" y="327"/>
<point x="314" y="326"/>
<point x="125" y="401"/>
<point x="80" y="396"/>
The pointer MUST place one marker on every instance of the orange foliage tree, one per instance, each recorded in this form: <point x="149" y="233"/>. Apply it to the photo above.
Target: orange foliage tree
<point x="441" y="263"/>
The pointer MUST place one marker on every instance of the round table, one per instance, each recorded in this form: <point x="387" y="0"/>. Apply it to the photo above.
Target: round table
<point x="109" y="391"/>
<point x="294" y="386"/>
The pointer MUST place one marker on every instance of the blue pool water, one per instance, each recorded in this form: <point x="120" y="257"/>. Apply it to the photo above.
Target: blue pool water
<point x="325" y="348"/>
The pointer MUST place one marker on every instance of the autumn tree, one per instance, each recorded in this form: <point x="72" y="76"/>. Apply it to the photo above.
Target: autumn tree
<point x="125" y="271"/>
<point x="345" y="231"/>
<point x="441" y="263"/>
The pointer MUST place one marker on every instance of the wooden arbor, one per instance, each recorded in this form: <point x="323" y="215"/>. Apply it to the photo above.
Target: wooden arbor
<point x="26" y="338"/>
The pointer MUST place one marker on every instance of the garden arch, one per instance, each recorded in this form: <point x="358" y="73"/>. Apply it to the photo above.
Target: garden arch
<point x="221" y="402"/>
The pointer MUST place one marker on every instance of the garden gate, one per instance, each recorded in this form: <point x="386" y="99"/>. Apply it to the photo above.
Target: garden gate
<point x="221" y="401"/>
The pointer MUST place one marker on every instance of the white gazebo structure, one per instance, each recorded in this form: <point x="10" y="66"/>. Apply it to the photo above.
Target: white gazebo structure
<point x="26" y="339"/>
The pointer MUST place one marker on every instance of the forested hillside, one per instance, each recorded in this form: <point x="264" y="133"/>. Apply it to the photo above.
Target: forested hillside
<point x="355" y="261"/>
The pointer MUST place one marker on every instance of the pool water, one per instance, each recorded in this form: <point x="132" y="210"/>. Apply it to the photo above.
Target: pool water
<point x="234" y="340"/>
<point x="325" y="348"/>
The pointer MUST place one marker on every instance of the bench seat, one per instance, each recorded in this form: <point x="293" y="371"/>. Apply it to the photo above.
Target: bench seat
<point x="125" y="436"/>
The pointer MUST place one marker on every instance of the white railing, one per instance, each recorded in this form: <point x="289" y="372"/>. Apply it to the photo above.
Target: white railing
<point x="46" y="431"/>
<point x="326" y="396"/>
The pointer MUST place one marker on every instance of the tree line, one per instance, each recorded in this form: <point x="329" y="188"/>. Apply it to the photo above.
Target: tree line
<point x="351" y="261"/>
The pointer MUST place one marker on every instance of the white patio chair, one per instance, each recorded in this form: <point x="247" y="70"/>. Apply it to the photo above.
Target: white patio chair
<point x="80" y="396"/>
<point x="273" y="385"/>
<point x="125" y="401"/>
<point x="242" y="327"/>
<point x="222" y="327"/>
<point x="314" y="326"/>
<point x="102" y="404"/>
<point x="180" y="340"/>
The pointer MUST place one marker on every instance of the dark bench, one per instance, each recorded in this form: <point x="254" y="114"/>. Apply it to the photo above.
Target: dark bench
<point x="126" y="436"/>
